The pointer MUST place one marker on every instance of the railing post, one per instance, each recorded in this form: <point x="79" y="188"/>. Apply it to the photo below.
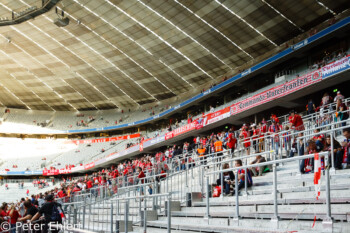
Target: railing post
<point x="246" y="179"/>
<point x="327" y="223"/>
<point x="332" y="169"/>
<point x="222" y="182"/>
<point x="145" y="216"/>
<point x="207" y="198"/>
<point x="275" y="218"/>
<point x="126" y="216"/>
<point x="84" y="210"/>
<point x="169" y="214"/>
<point x="186" y="168"/>
<point x="111" y="217"/>
<point x="236" y="218"/>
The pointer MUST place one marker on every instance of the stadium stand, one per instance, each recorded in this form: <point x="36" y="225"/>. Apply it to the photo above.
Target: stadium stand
<point x="141" y="116"/>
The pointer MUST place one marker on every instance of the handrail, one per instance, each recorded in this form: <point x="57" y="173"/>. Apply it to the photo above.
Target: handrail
<point x="268" y="163"/>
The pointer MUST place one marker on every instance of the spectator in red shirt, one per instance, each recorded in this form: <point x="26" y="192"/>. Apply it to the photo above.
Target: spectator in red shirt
<point x="274" y="118"/>
<point x="89" y="184"/>
<point x="76" y="189"/>
<point x="231" y="141"/>
<point x="297" y="122"/>
<point x="262" y="132"/>
<point x="14" y="215"/>
<point x="244" y="135"/>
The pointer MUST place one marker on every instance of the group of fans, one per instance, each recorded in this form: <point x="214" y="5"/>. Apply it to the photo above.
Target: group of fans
<point x="250" y="137"/>
<point x="35" y="214"/>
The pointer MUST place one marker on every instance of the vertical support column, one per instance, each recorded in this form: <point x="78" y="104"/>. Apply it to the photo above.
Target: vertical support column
<point x="327" y="223"/>
<point x="222" y="182"/>
<point x="332" y="169"/>
<point x="145" y="216"/>
<point x="169" y="214"/>
<point x="275" y="218"/>
<point x="246" y="179"/>
<point x="126" y="216"/>
<point x="236" y="218"/>
<point x="111" y="217"/>
<point x="207" y="198"/>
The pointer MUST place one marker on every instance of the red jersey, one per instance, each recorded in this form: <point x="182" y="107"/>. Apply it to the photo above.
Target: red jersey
<point x="297" y="122"/>
<point x="89" y="184"/>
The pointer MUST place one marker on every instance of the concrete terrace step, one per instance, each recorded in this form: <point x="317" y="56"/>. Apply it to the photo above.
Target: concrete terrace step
<point x="303" y="211"/>
<point x="210" y="228"/>
<point x="300" y="225"/>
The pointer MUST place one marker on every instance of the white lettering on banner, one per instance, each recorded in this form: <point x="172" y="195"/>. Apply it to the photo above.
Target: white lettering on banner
<point x="246" y="72"/>
<point x="277" y="92"/>
<point x="218" y="118"/>
<point x="88" y="141"/>
<point x="301" y="44"/>
<point x="177" y="107"/>
<point x="207" y="92"/>
<point x="335" y="67"/>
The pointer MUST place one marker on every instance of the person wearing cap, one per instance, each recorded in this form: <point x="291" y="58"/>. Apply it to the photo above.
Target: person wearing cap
<point x="52" y="212"/>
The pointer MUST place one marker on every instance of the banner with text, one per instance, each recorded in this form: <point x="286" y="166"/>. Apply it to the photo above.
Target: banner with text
<point x="216" y="116"/>
<point x="277" y="92"/>
<point x="98" y="140"/>
<point x="335" y="67"/>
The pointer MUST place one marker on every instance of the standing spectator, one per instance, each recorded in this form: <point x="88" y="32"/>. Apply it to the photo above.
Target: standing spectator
<point x="296" y="121"/>
<point x="31" y="210"/>
<point x="287" y="140"/>
<point x="310" y="107"/>
<point x="218" y="147"/>
<point x="326" y="100"/>
<point x="274" y="136"/>
<point x="262" y="132"/>
<point x="231" y="142"/>
<point x="245" y="136"/>
<point x="255" y="138"/>
<point x="341" y="112"/>
<point x="53" y="213"/>
<point x="201" y="152"/>
<point x="338" y="96"/>
<point x="14" y="215"/>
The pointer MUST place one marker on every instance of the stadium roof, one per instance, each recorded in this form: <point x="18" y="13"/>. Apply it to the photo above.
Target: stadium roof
<point x="122" y="54"/>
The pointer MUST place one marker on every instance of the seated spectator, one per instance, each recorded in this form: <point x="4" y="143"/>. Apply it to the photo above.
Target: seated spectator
<point x="258" y="171"/>
<point x="241" y="176"/>
<point x="228" y="179"/>
<point x="312" y="148"/>
<point x="337" y="150"/>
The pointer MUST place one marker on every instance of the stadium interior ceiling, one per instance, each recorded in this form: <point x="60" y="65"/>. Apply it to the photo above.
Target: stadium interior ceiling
<point x="122" y="54"/>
